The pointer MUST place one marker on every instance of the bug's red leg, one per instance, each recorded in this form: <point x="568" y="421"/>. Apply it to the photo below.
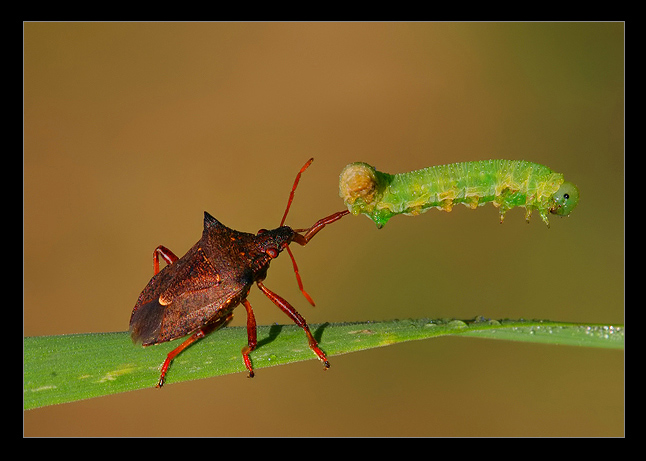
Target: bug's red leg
<point x="318" y="225"/>
<point x="297" y="319"/>
<point x="168" y="256"/>
<point x="251" y="337"/>
<point x="199" y="334"/>
<point x="172" y="354"/>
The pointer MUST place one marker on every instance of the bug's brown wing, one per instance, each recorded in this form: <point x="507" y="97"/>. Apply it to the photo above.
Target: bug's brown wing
<point x="145" y="322"/>
<point x="181" y="317"/>
<point x="181" y="298"/>
<point x="194" y="274"/>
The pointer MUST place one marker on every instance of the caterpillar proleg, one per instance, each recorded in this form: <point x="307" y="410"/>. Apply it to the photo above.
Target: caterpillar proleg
<point x="505" y="183"/>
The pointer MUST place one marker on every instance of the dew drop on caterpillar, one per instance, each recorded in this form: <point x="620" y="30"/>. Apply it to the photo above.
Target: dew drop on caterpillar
<point x="505" y="183"/>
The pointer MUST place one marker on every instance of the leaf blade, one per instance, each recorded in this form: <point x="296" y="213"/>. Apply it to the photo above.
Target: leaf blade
<point x="67" y="368"/>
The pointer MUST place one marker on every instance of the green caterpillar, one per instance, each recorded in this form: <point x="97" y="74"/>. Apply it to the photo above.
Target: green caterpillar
<point x="505" y="183"/>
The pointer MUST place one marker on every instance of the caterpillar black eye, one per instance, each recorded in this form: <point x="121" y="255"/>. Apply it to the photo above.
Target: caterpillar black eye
<point x="565" y="199"/>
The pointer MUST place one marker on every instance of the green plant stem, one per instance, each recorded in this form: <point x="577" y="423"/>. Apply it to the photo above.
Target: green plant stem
<point x="67" y="368"/>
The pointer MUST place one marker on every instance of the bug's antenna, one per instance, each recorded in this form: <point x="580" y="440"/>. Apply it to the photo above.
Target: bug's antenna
<point x="298" y="278"/>
<point x="289" y="204"/>
<point x="291" y="194"/>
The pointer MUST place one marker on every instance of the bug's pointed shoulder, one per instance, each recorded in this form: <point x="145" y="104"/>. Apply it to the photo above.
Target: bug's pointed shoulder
<point x="210" y="221"/>
<point x="215" y="233"/>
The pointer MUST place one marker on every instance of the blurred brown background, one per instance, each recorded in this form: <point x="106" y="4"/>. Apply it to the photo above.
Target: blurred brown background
<point x="132" y="130"/>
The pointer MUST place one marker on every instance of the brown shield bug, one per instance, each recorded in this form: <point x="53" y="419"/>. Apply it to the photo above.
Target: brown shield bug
<point x="197" y="293"/>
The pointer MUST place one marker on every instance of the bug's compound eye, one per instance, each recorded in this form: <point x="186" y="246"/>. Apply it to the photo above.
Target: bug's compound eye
<point x="565" y="199"/>
<point x="272" y="252"/>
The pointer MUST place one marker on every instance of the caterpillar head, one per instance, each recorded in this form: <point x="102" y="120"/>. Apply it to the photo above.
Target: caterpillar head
<point x="565" y="199"/>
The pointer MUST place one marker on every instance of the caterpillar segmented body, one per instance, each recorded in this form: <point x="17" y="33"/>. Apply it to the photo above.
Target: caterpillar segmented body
<point x="505" y="183"/>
